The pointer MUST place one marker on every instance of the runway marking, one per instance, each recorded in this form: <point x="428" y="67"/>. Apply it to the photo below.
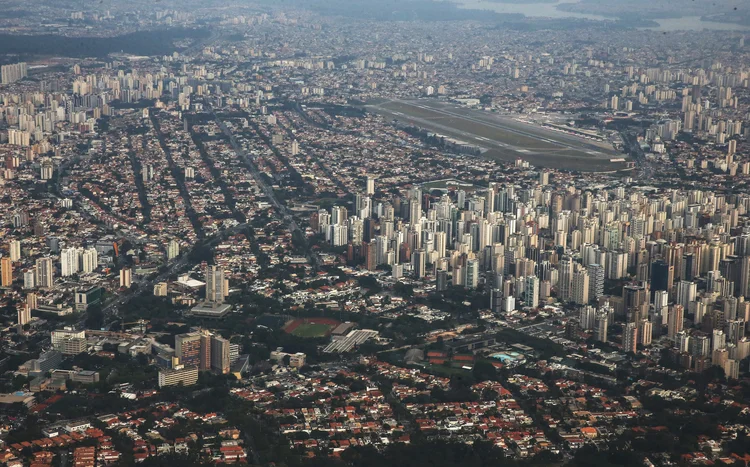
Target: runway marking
<point x="558" y="149"/>
<point x="498" y="126"/>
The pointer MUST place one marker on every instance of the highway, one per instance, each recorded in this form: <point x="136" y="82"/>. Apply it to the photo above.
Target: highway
<point x="643" y="168"/>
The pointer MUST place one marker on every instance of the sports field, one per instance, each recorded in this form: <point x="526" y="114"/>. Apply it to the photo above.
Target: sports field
<point x="311" y="330"/>
<point x="311" y="327"/>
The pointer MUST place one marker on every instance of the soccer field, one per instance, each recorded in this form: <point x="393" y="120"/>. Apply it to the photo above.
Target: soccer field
<point x="311" y="330"/>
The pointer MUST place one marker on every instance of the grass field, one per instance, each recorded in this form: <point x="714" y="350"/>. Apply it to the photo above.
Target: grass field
<point x="311" y="327"/>
<point x="445" y="371"/>
<point x="311" y="330"/>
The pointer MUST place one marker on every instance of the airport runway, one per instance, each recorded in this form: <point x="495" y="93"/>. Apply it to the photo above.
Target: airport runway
<point x="503" y="137"/>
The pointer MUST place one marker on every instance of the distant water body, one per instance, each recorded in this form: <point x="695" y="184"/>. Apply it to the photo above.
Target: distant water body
<point x="550" y="10"/>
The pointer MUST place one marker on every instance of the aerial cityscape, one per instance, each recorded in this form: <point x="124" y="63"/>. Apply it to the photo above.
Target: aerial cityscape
<point x="368" y="233"/>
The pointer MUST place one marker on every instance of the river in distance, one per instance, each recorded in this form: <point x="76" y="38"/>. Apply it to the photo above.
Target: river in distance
<point x="550" y="10"/>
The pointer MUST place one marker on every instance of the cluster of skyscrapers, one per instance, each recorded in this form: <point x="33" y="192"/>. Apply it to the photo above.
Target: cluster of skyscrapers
<point x="532" y="244"/>
<point x="12" y="73"/>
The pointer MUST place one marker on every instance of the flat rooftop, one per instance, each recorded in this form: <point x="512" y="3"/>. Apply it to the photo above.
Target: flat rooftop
<point x="207" y="310"/>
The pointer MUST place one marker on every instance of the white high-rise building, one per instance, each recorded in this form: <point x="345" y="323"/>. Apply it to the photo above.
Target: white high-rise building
<point x="580" y="289"/>
<point x="419" y="263"/>
<point x="601" y="326"/>
<point x="686" y="293"/>
<point x="15" y="250"/>
<point x="216" y="285"/>
<point x="24" y="314"/>
<point x="126" y="277"/>
<point x="440" y="243"/>
<point x="89" y="260"/>
<point x="531" y="291"/>
<point x="338" y="215"/>
<point x="29" y="279"/>
<point x="718" y="340"/>
<point x="645" y="332"/>
<point x="661" y="302"/>
<point x="338" y="235"/>
<point x="69" y="262"/>
<point x="173" y="249"/>
<point x="324" y="220"/>
<point x="356" y="230"/>
<point x="12" y="73"/>
<point x="587" y="317"/>
<point x="19" y="138"/>
<point x="565" y="279"/>
<point x="44" y="273"/>
<point x="47" y="169"/>
<point x="675" y="321"/>
<point x="365" y="210"/>
<point x="472" y="274"/>
<point x="735" y="330"/>
<point x="596" y="280"/>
